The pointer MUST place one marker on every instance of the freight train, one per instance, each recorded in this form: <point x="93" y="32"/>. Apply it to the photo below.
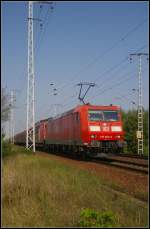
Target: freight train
<point x="86" y="130"/>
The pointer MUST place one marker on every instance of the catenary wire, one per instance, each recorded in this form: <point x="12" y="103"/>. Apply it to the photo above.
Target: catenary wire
<point x="106" y="52"/>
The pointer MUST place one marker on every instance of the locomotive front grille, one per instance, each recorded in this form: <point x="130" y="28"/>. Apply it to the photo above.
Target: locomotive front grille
<point x="95" y="143"/>
<point x="101" y="144"/>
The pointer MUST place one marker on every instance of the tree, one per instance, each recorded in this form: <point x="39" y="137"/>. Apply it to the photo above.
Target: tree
<point x="145" y="127"/>
<point x="5" y="106"/>
<point x="130" y="126"/>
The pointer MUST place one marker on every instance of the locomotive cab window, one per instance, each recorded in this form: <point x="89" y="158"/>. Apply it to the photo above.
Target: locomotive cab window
<point x="111" y="115"/>
<point x="95" y="115"/>
<point x="99" y="115"/>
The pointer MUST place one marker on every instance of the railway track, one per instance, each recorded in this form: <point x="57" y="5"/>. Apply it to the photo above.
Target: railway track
<point x="129" y="160"/>
<point x="136" y="165"/>
<point x="133" y="156"/>
<point x="127" y="165"/>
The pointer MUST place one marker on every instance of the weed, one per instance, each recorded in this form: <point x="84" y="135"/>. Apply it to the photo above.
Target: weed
<point x="6" y="148"/>
<point x="92" y="218"/>
<point x="10" y="150"/>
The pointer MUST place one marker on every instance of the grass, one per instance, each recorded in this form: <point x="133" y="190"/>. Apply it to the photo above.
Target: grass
<point x="41" y="192"/>
<point x="11" y="150"/>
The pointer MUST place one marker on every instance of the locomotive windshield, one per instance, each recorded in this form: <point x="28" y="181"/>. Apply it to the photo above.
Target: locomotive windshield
<point x="99" y="115"/>
<point x="95" y="115"/>
<point x="110" y="115"/>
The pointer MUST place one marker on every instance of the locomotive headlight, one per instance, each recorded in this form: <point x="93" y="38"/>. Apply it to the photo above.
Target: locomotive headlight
<point x="94" y="128"/>
<point x="116" y="128"/>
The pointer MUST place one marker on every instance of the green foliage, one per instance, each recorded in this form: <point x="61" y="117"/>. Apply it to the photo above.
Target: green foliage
<point x="5" y="106"/>
<point x="6" y="148"/>
<point x="91" y="218"/>
<point x="130" y="126"/>
<point x="145" y="126"/>
<point x="9" y="149"/>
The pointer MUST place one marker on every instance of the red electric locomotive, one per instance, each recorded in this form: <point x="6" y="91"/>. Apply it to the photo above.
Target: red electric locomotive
<point x="86" y="130"/>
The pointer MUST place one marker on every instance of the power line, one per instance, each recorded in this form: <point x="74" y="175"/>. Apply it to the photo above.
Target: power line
<point x="134" y="29"/>
<point x="114" y="85"/>
<point x="116" y="66"/>
<point x="110" y="76"/>
<point x="45" y="21"/>
<point x="125" y="79"/>
<point x="111" y="69"/>
<point x="106" y="52"/>
<point x="38" y="16"/>
<point x="105" y="89"/>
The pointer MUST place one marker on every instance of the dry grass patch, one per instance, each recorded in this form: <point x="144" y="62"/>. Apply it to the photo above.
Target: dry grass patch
<point x="42" y="192"/>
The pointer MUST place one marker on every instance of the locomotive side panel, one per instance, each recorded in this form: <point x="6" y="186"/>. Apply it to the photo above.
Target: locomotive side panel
<point x="37" y="133"/>
<point x="42" y="131"/>
<point x="64" y="130"/>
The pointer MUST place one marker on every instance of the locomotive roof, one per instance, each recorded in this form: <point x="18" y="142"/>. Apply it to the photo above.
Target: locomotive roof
<point x="111" y="106"/>
<point x="78" y="107"/>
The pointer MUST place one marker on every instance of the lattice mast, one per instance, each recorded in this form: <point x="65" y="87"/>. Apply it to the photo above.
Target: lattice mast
<point x="30" y="125"/>
<point x="140" y="106"/>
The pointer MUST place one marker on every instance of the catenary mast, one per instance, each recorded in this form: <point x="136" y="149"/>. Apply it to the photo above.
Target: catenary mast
<point x="140" y="105"/>
<point x="30" y="125"/>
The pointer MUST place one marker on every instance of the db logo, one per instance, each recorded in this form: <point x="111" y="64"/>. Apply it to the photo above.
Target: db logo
<point x="106" y="128"/>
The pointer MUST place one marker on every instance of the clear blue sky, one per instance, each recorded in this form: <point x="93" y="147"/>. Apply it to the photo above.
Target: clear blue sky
<point x="82" y="41"/>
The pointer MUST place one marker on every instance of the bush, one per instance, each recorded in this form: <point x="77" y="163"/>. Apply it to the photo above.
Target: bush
<point x="130" y="126"/>
<point x="6" y="148"/>
<point x="91" y="218"/>
<point x="10" y="150"/>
